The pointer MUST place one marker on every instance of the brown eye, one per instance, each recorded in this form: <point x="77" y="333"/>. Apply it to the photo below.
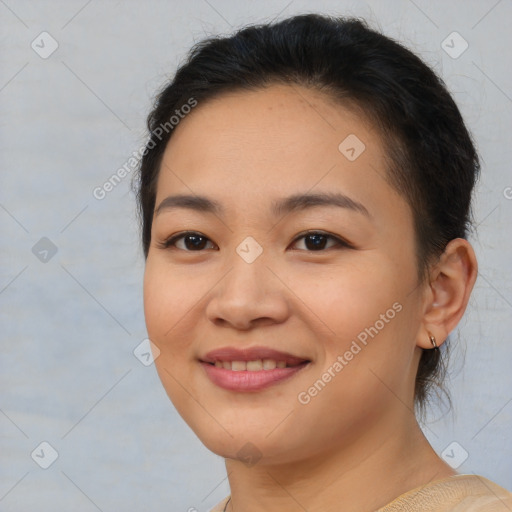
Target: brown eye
<point x="319" y="241"/>
<point x="189" y="241"/>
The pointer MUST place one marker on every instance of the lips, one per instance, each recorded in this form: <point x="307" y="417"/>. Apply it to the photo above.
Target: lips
<point x="251" y="354"/>
<point x="250" y="369"/>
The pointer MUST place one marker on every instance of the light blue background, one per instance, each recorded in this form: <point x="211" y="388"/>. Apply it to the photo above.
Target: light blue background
<point x="69" y="326"/>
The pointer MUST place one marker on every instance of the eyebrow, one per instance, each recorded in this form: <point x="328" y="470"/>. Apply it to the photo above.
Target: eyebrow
<point x="280" y="207"/>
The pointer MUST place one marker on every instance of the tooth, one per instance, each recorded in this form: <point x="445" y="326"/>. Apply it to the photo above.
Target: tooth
<point x="238" y="366"/>
<point x="218" y="364"/>
<point x="254" y="365"/>
<point x="269" y="364"/>
<point x="226" y="364"/>
<point x="281" y="364"/>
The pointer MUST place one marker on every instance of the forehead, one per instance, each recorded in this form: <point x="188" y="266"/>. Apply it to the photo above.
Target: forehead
<point x="269" y="142"/>
<point x="280" y="121"/>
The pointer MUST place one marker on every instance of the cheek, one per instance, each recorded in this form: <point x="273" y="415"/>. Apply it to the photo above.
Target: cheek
<point x="167" y="301"/>
<point x="366" y="324"/>
<point x="349" y="299"/>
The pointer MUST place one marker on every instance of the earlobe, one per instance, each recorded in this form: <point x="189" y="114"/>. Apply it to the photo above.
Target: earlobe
<point x="451" y="282"/>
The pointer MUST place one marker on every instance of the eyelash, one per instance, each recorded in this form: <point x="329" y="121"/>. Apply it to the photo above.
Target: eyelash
<point x="340" y="243"/>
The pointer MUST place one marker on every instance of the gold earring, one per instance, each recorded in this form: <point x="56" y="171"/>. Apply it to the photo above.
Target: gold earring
<point x="433" y="341"/>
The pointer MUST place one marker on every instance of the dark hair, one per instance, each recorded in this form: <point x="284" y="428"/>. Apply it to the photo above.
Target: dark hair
<point x="432" y="161"/>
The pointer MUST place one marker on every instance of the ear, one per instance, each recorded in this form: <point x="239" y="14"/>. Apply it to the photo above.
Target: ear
<point x="447" y="295"/>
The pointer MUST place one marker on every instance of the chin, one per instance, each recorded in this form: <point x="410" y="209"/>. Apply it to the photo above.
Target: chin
<point x="249" y="443"/>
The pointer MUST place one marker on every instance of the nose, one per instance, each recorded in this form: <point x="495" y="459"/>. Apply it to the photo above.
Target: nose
<point x="249" y="295"/>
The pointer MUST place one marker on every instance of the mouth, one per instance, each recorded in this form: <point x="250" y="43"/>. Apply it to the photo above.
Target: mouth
<point x="253" y="366"/>
<point x="251" y="369"/>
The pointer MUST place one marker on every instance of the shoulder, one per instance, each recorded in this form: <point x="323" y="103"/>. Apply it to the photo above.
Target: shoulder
<point x="220" y="506"/>
<point x="458" y="493"/>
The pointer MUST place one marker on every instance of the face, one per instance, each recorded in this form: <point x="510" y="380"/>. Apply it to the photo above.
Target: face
<point x="282" y="292"/>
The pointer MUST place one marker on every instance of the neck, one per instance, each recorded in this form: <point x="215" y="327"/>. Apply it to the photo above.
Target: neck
<point x="363" y="475"/>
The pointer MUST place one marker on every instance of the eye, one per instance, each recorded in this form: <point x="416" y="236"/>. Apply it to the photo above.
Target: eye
<point x="189" y="241"/>
<point x="318" y="240"/>
<point x="314" y="241"/>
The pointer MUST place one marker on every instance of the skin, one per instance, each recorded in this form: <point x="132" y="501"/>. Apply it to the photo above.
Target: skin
<point x="245" y="150"/>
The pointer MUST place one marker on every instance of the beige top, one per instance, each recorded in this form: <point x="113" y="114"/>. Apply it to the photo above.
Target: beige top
<point x="458" y="493"/>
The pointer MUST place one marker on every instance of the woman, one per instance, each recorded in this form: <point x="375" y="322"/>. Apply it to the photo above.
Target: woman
<point x="305" y="198"/>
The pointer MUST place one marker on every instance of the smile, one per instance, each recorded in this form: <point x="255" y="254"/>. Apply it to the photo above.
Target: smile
<point x="251" y="366"/>
<point x="250" y="369"/>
